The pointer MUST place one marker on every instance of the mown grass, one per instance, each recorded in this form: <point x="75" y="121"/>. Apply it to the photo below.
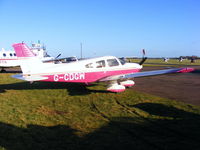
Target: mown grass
<point x="71" y="116"/>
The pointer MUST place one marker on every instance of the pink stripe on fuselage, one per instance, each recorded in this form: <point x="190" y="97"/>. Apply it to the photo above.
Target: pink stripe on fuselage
<point x="86" y="77"/>
<point x="8" y="59"/>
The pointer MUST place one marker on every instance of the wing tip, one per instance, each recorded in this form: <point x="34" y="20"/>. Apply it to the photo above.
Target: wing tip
<point x="186" y="70"/>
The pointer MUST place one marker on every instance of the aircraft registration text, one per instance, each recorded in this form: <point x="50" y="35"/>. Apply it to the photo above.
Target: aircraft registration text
<point x="69" y="77"/>
<point x="3" y="61"/>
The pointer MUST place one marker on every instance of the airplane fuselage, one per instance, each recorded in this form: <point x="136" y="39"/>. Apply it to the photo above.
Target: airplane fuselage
<point x="86" y="77"/>
<point x="8" y="59"/>
<point x="84" y="71"/>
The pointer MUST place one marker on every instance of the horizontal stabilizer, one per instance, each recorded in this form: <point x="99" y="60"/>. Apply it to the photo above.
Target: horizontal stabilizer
<point x="29" y="78"/>
<point x="149" y="73"/>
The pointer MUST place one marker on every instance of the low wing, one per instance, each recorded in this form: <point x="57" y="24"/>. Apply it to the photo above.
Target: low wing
<point x="148" y="73"/>
<point x="29" y="78"/>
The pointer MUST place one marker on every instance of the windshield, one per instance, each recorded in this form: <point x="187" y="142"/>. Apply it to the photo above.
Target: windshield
<point x="122" y="60"/>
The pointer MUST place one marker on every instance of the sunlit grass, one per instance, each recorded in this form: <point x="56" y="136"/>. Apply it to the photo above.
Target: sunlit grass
<point x="60" y="116"/>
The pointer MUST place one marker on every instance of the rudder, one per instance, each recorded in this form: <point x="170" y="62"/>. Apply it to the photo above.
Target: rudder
<point x="29" y="63"/>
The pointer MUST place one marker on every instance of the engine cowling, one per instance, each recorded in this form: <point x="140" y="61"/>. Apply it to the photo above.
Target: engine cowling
<point x="116" y="88"/>
<point x="127" y="83"/>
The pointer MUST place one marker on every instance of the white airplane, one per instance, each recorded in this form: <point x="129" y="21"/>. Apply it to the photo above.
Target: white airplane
<point x="9" y="59"/>
<point x="107" y="68"/>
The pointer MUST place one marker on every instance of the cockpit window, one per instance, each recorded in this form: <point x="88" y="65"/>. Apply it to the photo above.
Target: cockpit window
<point x="112" y="62"/>
<point x="4" y="54"/>
<point x="71" y="59"/>
<point x="14" y="54"/>
<point x="100" y="64"/>
<point x="122" y="60"/>
<point x="11" y="54"/>
<point x="90" y="65"/>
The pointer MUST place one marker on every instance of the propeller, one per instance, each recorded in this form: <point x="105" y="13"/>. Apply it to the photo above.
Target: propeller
<point x="143" y="52"/>
<point x="143" y="58"/>
<point x="58" y="56"/>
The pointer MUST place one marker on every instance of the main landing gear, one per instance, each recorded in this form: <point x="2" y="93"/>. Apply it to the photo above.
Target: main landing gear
<point x="120" y="87"/>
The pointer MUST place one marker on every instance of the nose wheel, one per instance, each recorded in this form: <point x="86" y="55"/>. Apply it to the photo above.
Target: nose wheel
<point x="128" y="83"/>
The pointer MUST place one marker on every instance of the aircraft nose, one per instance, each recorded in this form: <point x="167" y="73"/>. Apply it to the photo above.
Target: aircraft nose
<point x="138" y="66"/>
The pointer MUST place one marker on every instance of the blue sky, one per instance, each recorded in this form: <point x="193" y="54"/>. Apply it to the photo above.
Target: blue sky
<point x="165" y="28"/>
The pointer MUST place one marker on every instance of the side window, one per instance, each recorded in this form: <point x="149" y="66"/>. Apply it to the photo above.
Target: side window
<point x="100" y="64"/>
<point x="112" y="62"/>
<point x="14" y="54"/>
<point x="11" y="54"/>
<point x="4" y="54"/>
<point x="90" y="65"/>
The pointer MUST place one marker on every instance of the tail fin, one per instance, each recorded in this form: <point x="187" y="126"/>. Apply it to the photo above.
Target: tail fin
<point x="22" y="50"/>
<point x="29" y="63"/>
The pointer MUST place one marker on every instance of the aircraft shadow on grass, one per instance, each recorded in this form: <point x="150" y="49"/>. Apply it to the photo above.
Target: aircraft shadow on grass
<point x="120" y="133"/>
<point x="72" y="88"/>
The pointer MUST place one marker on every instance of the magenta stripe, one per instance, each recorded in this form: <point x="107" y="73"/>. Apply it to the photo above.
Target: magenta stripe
<point x="86" y="77"/>
<point x="8" y="59"/>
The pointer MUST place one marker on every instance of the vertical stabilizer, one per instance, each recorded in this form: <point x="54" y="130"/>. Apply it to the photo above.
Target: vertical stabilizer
<point x="29" y="63"/>
<point x="22" y="50"/>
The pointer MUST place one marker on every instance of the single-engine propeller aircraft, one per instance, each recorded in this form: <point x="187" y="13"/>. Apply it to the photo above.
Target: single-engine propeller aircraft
<point x="107" y="68"/>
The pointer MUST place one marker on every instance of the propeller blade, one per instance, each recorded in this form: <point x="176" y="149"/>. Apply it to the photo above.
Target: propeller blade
<point x="143" y="60"/>
<point x="143" y="51"/>
<point x="58" y="56"/>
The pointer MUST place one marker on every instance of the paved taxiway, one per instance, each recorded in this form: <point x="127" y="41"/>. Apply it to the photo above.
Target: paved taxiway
<point x="183" y="87"/>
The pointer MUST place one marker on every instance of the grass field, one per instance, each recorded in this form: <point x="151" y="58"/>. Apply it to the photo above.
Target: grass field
<point x="71" y="116"/>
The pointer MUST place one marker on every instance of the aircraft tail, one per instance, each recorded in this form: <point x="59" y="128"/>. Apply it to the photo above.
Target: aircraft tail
<point x="29" y="63"/>
<point x="22" y="50"/>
